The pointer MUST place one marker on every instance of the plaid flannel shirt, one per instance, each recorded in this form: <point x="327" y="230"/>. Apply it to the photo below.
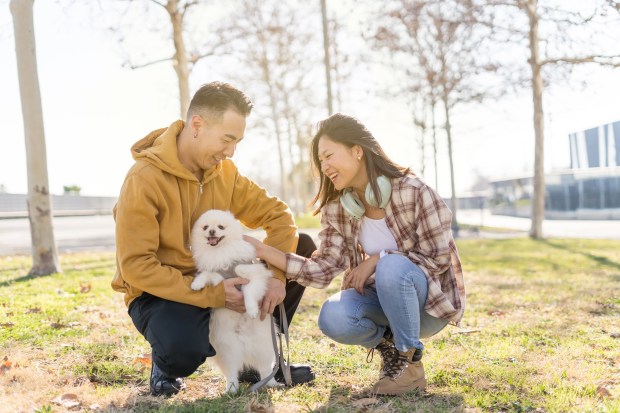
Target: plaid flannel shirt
<point x="420" y="222"/>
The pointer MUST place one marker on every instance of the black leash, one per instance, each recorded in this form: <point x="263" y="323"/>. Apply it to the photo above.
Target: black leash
<point x="279" y="352"/>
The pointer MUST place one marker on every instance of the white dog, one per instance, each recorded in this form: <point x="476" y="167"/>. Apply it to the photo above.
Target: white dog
<point x="239" y="339"/>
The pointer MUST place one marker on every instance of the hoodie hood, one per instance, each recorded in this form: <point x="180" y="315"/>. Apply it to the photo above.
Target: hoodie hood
<point x="159" y="148"/>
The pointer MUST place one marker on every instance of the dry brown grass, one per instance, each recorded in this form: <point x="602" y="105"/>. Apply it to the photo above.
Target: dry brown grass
<point x="541" y="334"/>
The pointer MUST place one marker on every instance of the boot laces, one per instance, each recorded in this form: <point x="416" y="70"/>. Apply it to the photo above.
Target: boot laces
<point x="396" y="365"/>
<point x="386" y="349"/>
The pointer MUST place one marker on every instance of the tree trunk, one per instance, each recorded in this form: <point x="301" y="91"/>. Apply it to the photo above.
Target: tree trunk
<point x="328" y="68"/>
<point x="181" y="64"/>
<point x="295" y="199"/>
<point x="44" y="254"/>
<point x="433" y="104"/>
<point x="335" y="64"/>
<point x="538" y="201"/>
<point x="274" y="115"/>
<point x="454" y="206"/>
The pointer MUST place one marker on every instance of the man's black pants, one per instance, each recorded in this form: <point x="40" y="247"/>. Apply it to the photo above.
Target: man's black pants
<point x="179" y="333"/>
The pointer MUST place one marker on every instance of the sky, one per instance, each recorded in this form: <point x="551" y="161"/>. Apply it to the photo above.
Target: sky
<point x="95" y="109"/>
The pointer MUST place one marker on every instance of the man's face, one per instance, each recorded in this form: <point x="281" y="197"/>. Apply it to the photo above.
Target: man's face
<point x="217" y="140"/>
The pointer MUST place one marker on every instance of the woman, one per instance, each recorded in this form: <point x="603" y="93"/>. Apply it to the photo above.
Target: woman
<point x="391" y="234"/>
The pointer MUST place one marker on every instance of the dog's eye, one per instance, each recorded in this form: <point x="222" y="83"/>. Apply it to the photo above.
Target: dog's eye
<point x="205" y="227"/>
<point x="221" y="227"/>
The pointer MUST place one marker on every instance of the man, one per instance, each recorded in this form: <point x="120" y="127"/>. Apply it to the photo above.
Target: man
<point x="180" y="172"/>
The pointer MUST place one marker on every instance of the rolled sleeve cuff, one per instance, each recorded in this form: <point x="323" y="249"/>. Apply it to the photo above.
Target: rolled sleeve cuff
<point x="294" y="264"/>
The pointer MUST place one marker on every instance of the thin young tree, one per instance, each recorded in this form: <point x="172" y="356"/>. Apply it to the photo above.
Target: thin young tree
<point x="344" y="61"/>
<point x="183" y="44"/>
<point x="279" y="51"/>
<point x="562" y="27"/>
<point x="326" y="53"/>
<point x="44" y="252"/>
<point x="439" y="40"/>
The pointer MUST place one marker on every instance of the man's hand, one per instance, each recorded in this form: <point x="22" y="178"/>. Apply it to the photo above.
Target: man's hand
<point x="234" y="297"/>
<point x="359" y="275"/>
<point x="274" y="296"/>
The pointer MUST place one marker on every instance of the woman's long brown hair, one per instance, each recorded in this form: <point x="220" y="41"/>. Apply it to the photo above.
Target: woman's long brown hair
<point x="349" y="131"/>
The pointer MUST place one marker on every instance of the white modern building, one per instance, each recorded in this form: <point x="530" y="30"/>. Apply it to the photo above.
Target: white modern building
<point x="589" y="189"/>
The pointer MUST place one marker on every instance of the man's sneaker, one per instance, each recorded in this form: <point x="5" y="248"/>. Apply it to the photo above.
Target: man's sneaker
<point x="300" y="374"/>
<point x="402" y="374"/>
<point x="162" y="385"/>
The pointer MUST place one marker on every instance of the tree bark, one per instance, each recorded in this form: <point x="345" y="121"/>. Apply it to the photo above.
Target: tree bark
<point x="44" y="253"/>
<point x="181" y="64"/>
<point x="328" y="68"/>
<point x="538" y="201"/>
<point x="433" y="104"/>
<point x="266" y="72"/>
<point x="454" y="205"/>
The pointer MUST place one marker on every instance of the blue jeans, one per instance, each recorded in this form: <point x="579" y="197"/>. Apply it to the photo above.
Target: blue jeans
<point x="396" y="301"/>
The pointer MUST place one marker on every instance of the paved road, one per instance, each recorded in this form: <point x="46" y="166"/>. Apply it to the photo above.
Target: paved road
<point x="97" y="232"/>
<point x="81" y="233"/>
<point x="551" y="228"/>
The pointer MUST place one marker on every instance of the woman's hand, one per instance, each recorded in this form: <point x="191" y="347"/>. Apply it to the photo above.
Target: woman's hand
<point x="359" y="275"/>
<point x="257" y="244"/>
<point x="267" y="253"/>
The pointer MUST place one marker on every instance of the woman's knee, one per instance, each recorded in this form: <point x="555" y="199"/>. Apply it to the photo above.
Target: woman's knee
<point x="331" y="319"/>
<point x="393" y="269"/>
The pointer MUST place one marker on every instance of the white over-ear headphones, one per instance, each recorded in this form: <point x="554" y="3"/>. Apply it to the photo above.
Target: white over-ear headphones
<point x="354" y="207"/>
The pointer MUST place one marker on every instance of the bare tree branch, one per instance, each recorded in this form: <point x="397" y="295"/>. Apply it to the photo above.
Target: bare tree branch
<point x="154" y="62"/>
<point x="188" y="5"/>
<point x="612" y="61"/>
<point x="158" y="3"/>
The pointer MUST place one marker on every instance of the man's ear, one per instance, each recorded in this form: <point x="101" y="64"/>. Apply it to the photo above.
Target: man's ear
<point x="196" y="122"/>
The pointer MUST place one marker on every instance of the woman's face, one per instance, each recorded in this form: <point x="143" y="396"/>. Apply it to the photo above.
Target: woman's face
<point x="342" y="165"/>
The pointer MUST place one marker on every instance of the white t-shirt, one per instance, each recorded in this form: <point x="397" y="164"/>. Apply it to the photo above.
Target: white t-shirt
<point x="375" y="236"/>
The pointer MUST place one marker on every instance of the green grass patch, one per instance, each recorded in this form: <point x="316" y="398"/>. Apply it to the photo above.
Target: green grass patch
<point x="308" y="221"/>
<point x="541" y="334"/>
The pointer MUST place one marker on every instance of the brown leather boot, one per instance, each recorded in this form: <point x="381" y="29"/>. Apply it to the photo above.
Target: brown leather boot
<point x="387" y="351"/>
<point x="401" y="375"/>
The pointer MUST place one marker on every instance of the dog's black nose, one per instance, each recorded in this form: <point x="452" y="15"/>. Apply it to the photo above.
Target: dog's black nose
<point x="211" y="232"/>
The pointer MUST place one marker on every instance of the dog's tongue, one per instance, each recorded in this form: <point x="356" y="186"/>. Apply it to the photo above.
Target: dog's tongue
<point x="213" y="240"/>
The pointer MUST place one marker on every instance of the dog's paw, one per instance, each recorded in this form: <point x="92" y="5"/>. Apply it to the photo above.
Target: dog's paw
<point x="232" y="387"/>
<point x="253" y="313"/>
<point x="198" y="284"/>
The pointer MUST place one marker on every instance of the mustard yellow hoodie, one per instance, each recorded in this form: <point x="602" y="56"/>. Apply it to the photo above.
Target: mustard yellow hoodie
<point x="158" y="204"/>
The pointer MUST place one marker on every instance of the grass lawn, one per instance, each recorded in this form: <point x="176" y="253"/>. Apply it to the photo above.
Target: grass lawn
<point x="541" y="334"/>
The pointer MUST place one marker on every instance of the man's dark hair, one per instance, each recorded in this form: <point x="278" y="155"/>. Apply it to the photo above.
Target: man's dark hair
<point x="215" y="98"/>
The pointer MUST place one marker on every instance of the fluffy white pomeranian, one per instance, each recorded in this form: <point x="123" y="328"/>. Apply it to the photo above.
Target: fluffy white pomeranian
<point x="239" y="339"/>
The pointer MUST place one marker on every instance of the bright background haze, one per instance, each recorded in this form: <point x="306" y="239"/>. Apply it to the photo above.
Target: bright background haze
<point x="95" y="109"/>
